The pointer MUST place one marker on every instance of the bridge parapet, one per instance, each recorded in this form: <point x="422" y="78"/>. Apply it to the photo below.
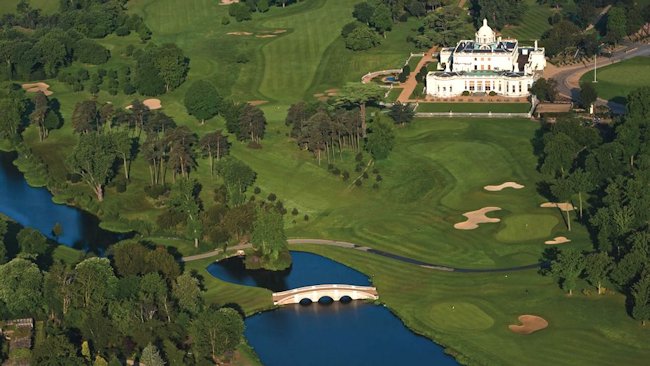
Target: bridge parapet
<point x="333" y="291"/>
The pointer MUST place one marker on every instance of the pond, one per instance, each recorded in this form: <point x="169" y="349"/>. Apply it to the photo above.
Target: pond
<point x="355" y="333"/>
<point x="33" y="207"/>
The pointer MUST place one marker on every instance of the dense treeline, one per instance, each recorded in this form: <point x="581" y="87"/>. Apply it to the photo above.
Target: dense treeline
<point x="244" y="10"/>
<point x="608" y="168"/>
<point x="136" y="303"/>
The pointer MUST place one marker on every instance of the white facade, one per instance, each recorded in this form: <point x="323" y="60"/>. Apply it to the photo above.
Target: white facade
<point x="486" y="64"/>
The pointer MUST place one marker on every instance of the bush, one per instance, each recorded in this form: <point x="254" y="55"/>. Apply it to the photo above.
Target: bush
<point x="129" y="50"/>
<point x="156" y="191"/>
<point x="294" y="212"/>
<point x="336" y="171"/>
<point x="257" y="190"/>
<point x="306" y="217"/>
<point x="358" y="168"/>
<point x="242" y="58"/>
<point x="225" y="20"/>
<point x="272" y="197"/>
<point x="465" y="93"/>
<point x="358" y="182"/>
<point x="492" y="93"/>
<point x="358" y="157"/>
<point x="378" y="178"/>
<point x="240" y="12"/>
<point x="169" y="219"/>
<point x="365" y="175"/>
<point x="345" y="175"/>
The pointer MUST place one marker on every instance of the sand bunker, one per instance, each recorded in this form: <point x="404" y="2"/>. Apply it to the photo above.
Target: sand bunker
<point x="240" y="33"/>
<point x="228" y="2"/>
<point x="279" y="31"/>
<point x="558" y="240"/>
<point x="153" y="104"/>
<point x="477" y="217"/>
<point x="265" y="36"/>
<point x="565" y="206"/>
<point x="503" y="186"/>
<point x="38" y="87"/>
<point x="257" y="102"/>
<point x="530" y="324"/>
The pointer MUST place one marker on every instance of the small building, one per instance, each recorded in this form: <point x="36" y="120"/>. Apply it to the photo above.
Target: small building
<point x="486" y="64"/>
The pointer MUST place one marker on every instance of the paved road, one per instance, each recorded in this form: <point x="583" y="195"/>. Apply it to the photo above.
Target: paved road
<point x="568" y="78"/>
<point x="349" y="245"/>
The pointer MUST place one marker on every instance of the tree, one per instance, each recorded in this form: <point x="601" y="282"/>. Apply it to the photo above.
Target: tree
<point x="360" y="94"/>
<point x="560" y="151"/>
<point x="381" y="19"/>
<point x="91" y="52"/>
<point x="32" y="243"/>
<point x="37" y="117"/>
<point x="597" y="267"/>
<point x="187" y="293"/>
<point x="581" y="181"/>
<point x="85" y="117"/>
<point x="239" y="11"/>
<point x="263" y="6"/>
<point x="148" y="79"/>
<point x="616" y="24"/>
<point x="641" y="297"/>
<point x="12" y="108"/>
<point x="21" y="287"/>
<point x="151" y="356"/>
<point x="562" y="189"/>
<point x="94" y="284"/>
<point x="545" y="89"/>
<point x="129" y="258"/>
<point x="588" y="94"/>
<point x="181" y="154"/>
<point x="363" y="12"/>
<point x="361" y="38"/>
<point x="184" y="199"/>
<point x="237" y="176"/>
<point x="3" y="248"/>
<point x="216" y="332"/>
<point x="567" y="267"/>
<point x="125" y="147"/>
<point x="444" y="27"/>
<point x="93" y="159"/>
<point x="561" y="36"/>
<point x="380" y="140"/>
<point x="252" y="123"/>
<point x="401" y="113"/>
<point x="500" y="12"/>
<point x="56" y="350"/>
<point x="214" y="145"/>
<point x="202" y="100"/>
<point x="172" y="65"/>
<point x="268" y="238"/>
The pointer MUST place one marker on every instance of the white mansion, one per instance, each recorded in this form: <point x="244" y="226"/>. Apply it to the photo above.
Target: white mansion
<point x="484" y="65"/>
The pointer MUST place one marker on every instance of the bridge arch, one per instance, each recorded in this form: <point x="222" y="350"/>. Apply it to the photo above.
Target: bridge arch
<point x="336" y="292"/>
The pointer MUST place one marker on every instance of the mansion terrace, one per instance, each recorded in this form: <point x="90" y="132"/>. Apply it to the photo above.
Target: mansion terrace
<point x="486" y="64"/>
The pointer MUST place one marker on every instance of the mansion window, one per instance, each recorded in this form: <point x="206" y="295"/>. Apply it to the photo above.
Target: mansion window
<point x="488" y="87"/>
<point x="475" y="67"/>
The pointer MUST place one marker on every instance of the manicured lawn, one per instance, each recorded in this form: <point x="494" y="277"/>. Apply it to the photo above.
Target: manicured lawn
<point x="413" y="62"/>
<point x="474" y="107"/>
<point x="393" y="94"/>
<point x="616" y="81"/>
<point x="533" y="24"/>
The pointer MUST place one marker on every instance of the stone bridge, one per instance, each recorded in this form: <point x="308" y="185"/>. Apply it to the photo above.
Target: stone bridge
<point x="315" y="293"/>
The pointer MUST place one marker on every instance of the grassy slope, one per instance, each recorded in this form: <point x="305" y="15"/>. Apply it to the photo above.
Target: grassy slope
<point x="616" y="81"/>
<point x="46" y="6"/>
<point x="533" y="24"/>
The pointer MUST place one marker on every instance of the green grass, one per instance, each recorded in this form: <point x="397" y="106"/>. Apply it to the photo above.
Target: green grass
<point x="413" y="62"/>
<point x="474" y="107"/>
<point x="533" y="24"/>
<point x="528" y="227"/>
<point x="393" y="94"/>
<point x="616" y="81"/>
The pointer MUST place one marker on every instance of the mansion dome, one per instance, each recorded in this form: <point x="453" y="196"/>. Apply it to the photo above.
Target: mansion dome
<point x="485" y="34"/>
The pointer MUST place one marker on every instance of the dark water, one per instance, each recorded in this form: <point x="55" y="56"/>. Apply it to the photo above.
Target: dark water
<point x="33" y="207"/>
<point x="307" y="269"/>
<point x="355" y="333"/>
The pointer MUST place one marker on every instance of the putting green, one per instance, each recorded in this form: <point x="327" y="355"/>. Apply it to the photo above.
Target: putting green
<point x="458" y="316"/>
<point x="524" y="227"/>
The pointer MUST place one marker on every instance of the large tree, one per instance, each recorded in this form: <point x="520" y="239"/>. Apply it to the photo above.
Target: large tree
<point x="93" y="160"/>
<point x="641" y="297"/>
<point x="151" y="356"/>
<point x="94" y="284"/>
<point x="85" y="116"/>
<point x="401" y="113"/>
<point x="360" y="94"/>
<point x="597" y="266"/>
<point x="616" y="24"/>
<point x="37" y="117"/>
<point x="567" y="267"/>
<point x="588" y="94"/>
<point x="187" y="293"/>
<point x="216" y="332"/>
<point x="172" y="65"/>
<point x="268" y="238"/>
<point x="32" y="243"/>
<point x="380" y="140"/>
<point x="202" y="100"/>
<point x="499" y="12"/>
<point x="214" y="145"/>
<point x="444" y="27"/>
<point x="252" y="123"/>
<point x="237" y="177"/>
<point x="21" y="287"/>
<point x="125" y="147"/>
<point x="185" y="200"/>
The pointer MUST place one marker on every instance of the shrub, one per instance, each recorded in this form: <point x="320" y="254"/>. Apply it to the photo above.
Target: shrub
<point x="365" y="175"/>
<point x="358" y="157"/>
<point x="375" y="171"/>
<point x="465" y="93"/>
<point x="242" y="58"/>
<point x="257" y="190"/>
<point x="336" y="171"/>
<point x="294" y="212"/>
<point x="272" y="197"/>
<point x="129" y="50"/>
<point x="306" y="217"/>
<point x="358" y="168"/>
<point x="169" y="219"/>
<point x="492" y="93"/>
<point x="225" y="20"/>
<point x="155" y="191"/>
<point x="378" y="178"/>
<point x="345" y="175"/>
<point x="240" y="12"/>
<point x="358" y="182"/>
